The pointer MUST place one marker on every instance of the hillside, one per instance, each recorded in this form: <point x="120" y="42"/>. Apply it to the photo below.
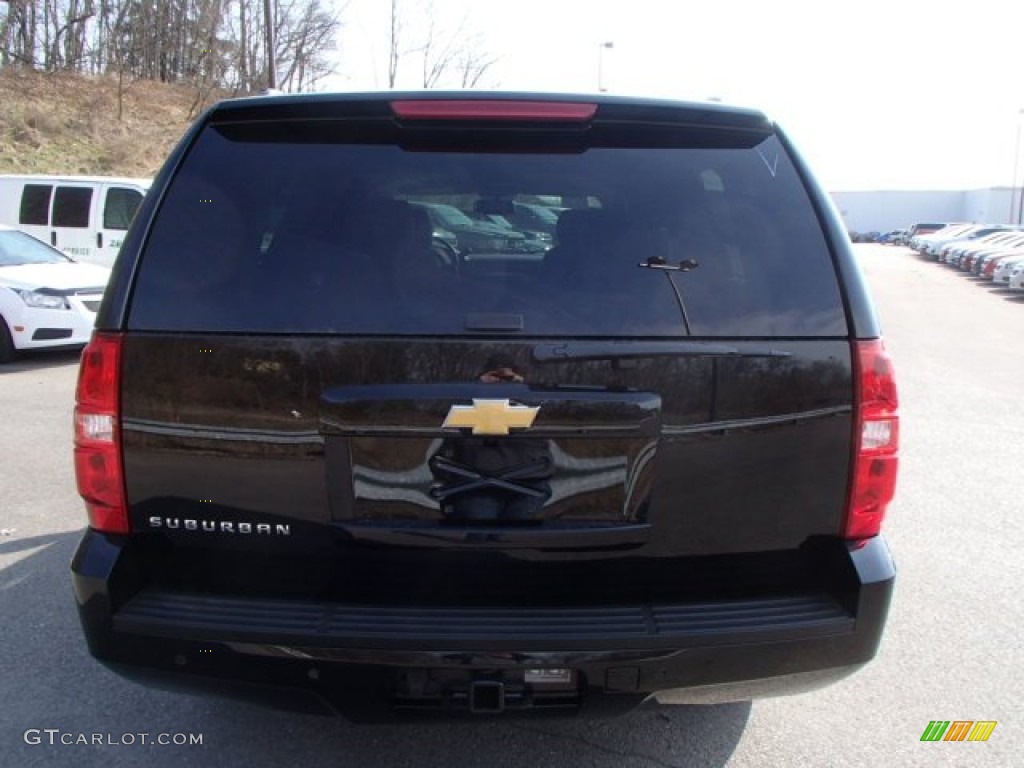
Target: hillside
<point x="63" y="123"/>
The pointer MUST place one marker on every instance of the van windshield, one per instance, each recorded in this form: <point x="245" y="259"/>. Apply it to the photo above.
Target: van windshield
<point x="271" y="235"/>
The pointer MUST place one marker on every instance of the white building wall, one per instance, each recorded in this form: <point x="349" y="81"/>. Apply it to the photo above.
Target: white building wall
<point x="884" y="210"/>
<point x="998" y="205"/>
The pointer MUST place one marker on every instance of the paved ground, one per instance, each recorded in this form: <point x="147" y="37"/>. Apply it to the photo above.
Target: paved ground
<point x="952" y="650"/>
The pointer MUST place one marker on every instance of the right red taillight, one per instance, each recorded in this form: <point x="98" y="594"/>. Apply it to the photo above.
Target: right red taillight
<point x="97" y="435"/>
<point x="875" y="442"/>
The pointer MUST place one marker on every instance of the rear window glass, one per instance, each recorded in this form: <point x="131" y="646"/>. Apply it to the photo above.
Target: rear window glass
<point x="363" y="238"/>
<point x="35" y="204"/>
<point x="71" y="206"/>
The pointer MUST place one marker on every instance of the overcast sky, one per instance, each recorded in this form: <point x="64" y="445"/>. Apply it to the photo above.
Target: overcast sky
<point x="877" y="94"/>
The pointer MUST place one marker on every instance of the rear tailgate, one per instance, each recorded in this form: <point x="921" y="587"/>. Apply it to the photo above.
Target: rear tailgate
<point x="275" y="448"/>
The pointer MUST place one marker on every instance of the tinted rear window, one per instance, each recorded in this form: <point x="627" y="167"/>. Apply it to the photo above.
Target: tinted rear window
<point x="266" y="235"/>
<point x="71" y="206"/>
<point x="35" y="204"/>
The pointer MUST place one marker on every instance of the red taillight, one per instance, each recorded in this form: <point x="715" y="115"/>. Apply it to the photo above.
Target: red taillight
<point x="97" y="435"/>
<point x="875" y="441"/>
<point x="429" y="109"/>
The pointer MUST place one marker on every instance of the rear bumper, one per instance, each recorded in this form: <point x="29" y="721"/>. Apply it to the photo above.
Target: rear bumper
<point x="371" y="661"/>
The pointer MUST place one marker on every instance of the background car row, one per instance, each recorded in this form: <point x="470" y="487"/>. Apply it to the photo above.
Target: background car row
<point x="897" y="236"/>
<point x="992" y="252"/>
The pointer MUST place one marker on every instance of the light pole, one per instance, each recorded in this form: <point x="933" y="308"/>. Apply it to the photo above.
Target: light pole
<point x="1015" y="190"/>
<point x="600" y="64"/>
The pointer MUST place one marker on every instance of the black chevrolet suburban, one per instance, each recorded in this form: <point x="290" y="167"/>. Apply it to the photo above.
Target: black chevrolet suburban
<point x="329" y="456"/>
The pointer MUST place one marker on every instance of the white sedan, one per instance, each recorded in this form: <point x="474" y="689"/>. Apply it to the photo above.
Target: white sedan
<point x="1017" y="278"/>
<point x="46" y="299"/>
<point x="1001" y="275"/>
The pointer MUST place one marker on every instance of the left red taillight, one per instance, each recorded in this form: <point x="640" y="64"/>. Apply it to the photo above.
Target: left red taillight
<point x="876" y="440"/>
<point x="98" y="468"/>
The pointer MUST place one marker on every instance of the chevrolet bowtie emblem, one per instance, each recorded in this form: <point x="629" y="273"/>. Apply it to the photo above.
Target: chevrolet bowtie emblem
<point x="490" y="417"/>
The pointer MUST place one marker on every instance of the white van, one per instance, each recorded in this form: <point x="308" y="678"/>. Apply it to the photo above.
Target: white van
<point x="83" y="216"/>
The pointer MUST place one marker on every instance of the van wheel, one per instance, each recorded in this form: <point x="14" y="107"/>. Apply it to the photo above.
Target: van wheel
<point x="6" y="343"/>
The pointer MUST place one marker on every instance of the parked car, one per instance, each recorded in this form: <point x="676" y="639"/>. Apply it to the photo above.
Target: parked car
<point x="46" y="299"/>
<point x="476" y="237"/>
<point x="965" y="261"/>
<point x="1004" y="267"/>
<point x="924" y="228"/>
<point x="925" y="243"/>
<point x="894" y="237"/>
<point x="86" y="217"/>
<point x="983" y="261"/>
<point x="1016" y="282"/>
<point x="536" y="240"/>
<point x="534" y="217"/>
<point x="992" y="262"/>
<point x="971" y="259"/>
<point x="319" y="462"/>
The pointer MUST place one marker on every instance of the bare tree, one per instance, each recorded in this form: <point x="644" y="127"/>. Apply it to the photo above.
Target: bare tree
<point x="472" y="65"/>
<point x="394" y="54"/>
<point x="18" y="33"/>
<point x="183" y="41"/>
<point x="268" y="30"/>
<point x="208" y="57"/>
<point x="440" y="50"/>
<point x="308" y="33"/>
<point x="448" y="54"/>
<point x="121" y="50"/>
<point x="243" y="46"/>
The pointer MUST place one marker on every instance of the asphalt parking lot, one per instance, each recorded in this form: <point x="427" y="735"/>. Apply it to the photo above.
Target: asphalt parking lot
<point x="952" y="649"/>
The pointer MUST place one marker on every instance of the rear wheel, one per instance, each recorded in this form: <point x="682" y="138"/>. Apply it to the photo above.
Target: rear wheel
<point x="6" y="343"/>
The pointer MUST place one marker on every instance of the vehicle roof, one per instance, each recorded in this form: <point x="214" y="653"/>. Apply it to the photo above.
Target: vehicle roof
<point x="76" y="178"/>
<point x="712" y="113"/>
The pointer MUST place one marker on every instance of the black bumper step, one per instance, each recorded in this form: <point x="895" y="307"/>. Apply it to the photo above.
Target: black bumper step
<point x="325" y="625"/>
